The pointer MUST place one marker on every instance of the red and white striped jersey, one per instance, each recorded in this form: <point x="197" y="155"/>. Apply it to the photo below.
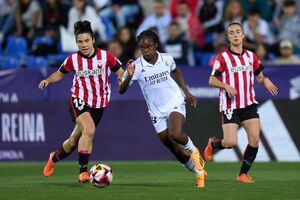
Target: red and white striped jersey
<point x="237" y="70"/>
<point x="91" y="79"/>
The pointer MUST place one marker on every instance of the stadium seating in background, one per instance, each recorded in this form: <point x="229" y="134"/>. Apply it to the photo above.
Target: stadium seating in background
<point x="42" y="40"/>
<point x="1" y="54"/>
<point x="271" y="56"/>
<point x="10" y="62"/>
<point x="108" y="29"/>
<point x="16" y="46"/>
<point x="202" y="59"/>
<point x="36" y="62"/>
<point x="55" y="60"/>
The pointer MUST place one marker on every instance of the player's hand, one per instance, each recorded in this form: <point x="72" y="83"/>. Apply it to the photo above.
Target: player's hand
<point x="43" y="84"/>
<point x="230" y="91"/>
<point x="270" y="87"/>
<point x="130" y="67"/>
<point x="192" y="99"/>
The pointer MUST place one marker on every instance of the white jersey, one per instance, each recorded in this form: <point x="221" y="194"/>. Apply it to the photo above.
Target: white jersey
<point x="160" y="90"/>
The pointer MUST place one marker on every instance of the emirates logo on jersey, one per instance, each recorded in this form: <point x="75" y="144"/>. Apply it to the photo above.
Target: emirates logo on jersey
<point x="241" y="69"/>
<point x="156" y="76"/>
<point x="89" y="72"/>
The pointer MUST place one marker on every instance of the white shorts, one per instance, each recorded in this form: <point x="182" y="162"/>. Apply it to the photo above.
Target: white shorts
<point x="161" y="123"/>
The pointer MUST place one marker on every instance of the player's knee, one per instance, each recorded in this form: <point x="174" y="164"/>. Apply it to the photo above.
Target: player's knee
<point x="229" y="144"/>
<point x="89" y="131"/>
<point x="253" y="142"/>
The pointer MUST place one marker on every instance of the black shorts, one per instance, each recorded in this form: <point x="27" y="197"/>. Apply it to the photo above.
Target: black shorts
<point x="77" y="107"/>
<point x="237" y="116"/>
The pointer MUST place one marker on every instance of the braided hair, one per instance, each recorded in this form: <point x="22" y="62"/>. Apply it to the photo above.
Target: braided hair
<point x="150" y="34"/>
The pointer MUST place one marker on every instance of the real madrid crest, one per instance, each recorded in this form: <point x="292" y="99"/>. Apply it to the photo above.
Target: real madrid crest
<point x="166" y="63"/>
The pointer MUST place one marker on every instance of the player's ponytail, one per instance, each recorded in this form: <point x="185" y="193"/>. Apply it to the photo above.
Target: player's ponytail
<point x="83" y="27"/>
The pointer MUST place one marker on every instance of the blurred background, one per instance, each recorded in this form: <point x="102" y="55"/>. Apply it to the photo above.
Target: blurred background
<point x="37" y="35"/>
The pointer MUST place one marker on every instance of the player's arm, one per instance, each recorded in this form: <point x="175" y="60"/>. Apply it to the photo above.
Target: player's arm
<point x="215" y="82"/>
<point x="119" y="73"/>
<point x="53" y="78"/>
<point x="180" y="81"/>
<point x="262" y="79"/>
<point x="218" y="69"/>
<point x="127" y="76"/>
<point x="115" y="66"/>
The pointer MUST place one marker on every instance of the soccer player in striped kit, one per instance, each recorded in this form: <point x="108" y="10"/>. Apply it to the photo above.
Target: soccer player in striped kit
<point x="233" y="72"/>
<point x="165" y="101"/>
<point x="90" y="94"/>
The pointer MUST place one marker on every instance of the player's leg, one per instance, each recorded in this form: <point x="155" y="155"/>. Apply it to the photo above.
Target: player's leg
<point x="64" y="151"/>
<point x="68" y="146"/>
<point x="182" y="156"/>
<point x="85" y="143"/>
<point x="229" y="137"/>
<point x="175" y="122"/>
<point x="229" y="140"/>
<point x="252" y="127"/>
<point x="230" y="121"/>
<point x="250" y="121"/>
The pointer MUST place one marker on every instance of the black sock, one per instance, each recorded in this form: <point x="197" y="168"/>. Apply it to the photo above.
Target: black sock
<point x="83" y="160"/>
<point x="248" y="158"/>
<point x="60" y="154"/>
<point x="217" y="144"/>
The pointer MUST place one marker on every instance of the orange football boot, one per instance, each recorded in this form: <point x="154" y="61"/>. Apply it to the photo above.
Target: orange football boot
<point x="198" y="160"/>
<point x="84" y="177"/>
<point x="200" y="180"/>
<point x="49" y="167"/>
<point x="209" y="150"/>
<point x="244" y="178"/>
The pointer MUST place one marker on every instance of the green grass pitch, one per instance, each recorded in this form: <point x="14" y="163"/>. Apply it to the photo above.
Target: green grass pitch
<point x="149" y="180"/>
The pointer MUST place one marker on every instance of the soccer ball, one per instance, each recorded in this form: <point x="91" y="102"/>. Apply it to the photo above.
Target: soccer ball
<point x="100" y="175"/>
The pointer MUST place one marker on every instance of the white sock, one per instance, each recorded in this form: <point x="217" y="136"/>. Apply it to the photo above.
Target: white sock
<point x="189" y="146"/>
<point x="191" y="167"/>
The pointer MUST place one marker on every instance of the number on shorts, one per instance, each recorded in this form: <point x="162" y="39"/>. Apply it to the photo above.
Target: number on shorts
<point x="154" y="120"/>
<point x="78" y="103"/>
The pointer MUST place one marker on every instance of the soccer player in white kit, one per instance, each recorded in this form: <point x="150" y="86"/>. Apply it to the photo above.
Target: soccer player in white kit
<point x="165" y="100"/>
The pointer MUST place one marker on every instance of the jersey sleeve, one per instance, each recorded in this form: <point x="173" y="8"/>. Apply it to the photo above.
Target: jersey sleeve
<point x="113" y="62"/>
<point x="257" y="66"/>
<point x="67" y="65"/>
<point x="217" y="66"/>
<point x="172" y="64"/>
